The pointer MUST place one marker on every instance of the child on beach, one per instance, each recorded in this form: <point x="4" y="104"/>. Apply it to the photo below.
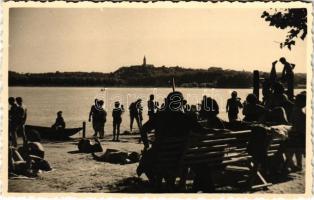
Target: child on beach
<point x="233" y="105"/>
<point x="116" y="114"/>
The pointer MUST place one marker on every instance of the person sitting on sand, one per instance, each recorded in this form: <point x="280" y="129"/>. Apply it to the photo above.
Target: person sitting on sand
<point x="29" y="165"/>
<point x="209" y="111"/>
<point x="59" y="124"/>
<point x="136" y="109"/>
<point x="29" y="158"/>
<point x="172" y="122"/>
<point x="86" y="146"/>
<point x="116" y="114"/>
<point x="18" y="166"/>
<point x="252" y="111"/>
<point x="297" y="136"/>
<point x="233" y="105"/>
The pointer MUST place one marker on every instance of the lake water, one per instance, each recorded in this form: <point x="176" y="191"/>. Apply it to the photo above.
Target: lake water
<point x="44" y="102"/>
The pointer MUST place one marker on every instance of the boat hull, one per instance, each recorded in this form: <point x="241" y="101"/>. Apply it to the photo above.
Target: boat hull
<point x="51" y="133"/>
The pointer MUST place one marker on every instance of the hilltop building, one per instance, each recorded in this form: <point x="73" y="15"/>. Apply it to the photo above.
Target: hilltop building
<point x="144" y="61"/>
<point x="144" y="64"/>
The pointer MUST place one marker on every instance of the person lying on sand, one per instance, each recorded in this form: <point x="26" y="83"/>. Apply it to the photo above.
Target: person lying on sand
<point x="117" y="157"/>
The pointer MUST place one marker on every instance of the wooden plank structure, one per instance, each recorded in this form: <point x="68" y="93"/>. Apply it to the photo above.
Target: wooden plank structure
<point x="256" y="83"/>
<point x="217" y="150"/>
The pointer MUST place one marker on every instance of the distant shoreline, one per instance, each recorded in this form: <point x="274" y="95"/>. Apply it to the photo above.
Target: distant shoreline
<point x="102" y="87"/>
<point x="145" y="77"/>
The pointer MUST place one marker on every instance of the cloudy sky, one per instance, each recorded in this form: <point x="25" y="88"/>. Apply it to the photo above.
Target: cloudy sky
<point x="75" y="39"/>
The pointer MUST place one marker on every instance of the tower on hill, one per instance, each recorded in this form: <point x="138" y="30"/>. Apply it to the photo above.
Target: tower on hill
<point x="144" y="61"/>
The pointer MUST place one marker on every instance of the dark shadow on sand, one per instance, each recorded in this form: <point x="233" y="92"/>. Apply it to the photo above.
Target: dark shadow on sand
<point x="130" y="185"/>
<point x="75" y="152"/>
<point x="58" y="141"/>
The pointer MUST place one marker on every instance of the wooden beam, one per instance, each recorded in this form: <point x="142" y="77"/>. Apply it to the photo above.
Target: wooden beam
<point x="84" y="129"/>
<point x="256" y="83"/>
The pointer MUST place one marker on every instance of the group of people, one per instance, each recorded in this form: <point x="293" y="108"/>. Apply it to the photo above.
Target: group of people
<point x="278" y="107"/>
<point x="175" y="121"/>
<point x="98" y="116"/>
<point x="17" y="118"/>
<point x="28" y="158"/>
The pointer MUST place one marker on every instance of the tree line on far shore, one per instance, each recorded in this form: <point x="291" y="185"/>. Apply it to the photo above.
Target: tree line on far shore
<point x="145" y="76"/>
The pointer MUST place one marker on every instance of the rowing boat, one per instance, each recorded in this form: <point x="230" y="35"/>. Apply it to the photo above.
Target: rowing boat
<point x="51" y="133"/>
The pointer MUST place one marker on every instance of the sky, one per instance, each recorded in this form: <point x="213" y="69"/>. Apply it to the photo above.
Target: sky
<point x="102" y="40"/>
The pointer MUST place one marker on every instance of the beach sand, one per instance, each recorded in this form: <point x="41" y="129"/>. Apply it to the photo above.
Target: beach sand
<point x="79" y="173"/>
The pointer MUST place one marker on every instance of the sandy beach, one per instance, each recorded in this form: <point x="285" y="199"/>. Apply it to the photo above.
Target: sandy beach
<point x="78" y="172"/>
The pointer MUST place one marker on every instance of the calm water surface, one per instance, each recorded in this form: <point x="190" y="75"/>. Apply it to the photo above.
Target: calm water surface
<point x="44" y="102"/>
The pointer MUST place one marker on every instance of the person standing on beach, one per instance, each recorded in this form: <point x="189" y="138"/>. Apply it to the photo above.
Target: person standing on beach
<point x="101" y="116"/>
<point x="279" y="99"/>
<point x="233" y="105"/>
<point x="152" y="106"/>
<point x="116" y="114"/>
<point x="288" y="76"/>
<point x="252" y="110"/>
<point x="21" y="119"/>
<point x="136" y="113"/>
<point x="209" y="111"/>
<point x="92" y="116"/>
<point x="13" y="115"/>
<point x="297" y="136"/>
<point x="173" y="122"/>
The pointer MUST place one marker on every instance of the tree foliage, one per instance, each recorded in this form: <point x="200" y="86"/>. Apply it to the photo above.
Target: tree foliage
<point x="294" y="19"/>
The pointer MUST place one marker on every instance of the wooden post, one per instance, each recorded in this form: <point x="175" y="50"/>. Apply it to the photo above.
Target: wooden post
<point x="290" y="86"/>
<point x="84" y="129"/>
<point x="256" y="83"/>
<point x="173" y="85"/>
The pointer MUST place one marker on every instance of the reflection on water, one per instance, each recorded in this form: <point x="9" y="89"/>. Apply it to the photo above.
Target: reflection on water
<point x="44" y="102"/>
